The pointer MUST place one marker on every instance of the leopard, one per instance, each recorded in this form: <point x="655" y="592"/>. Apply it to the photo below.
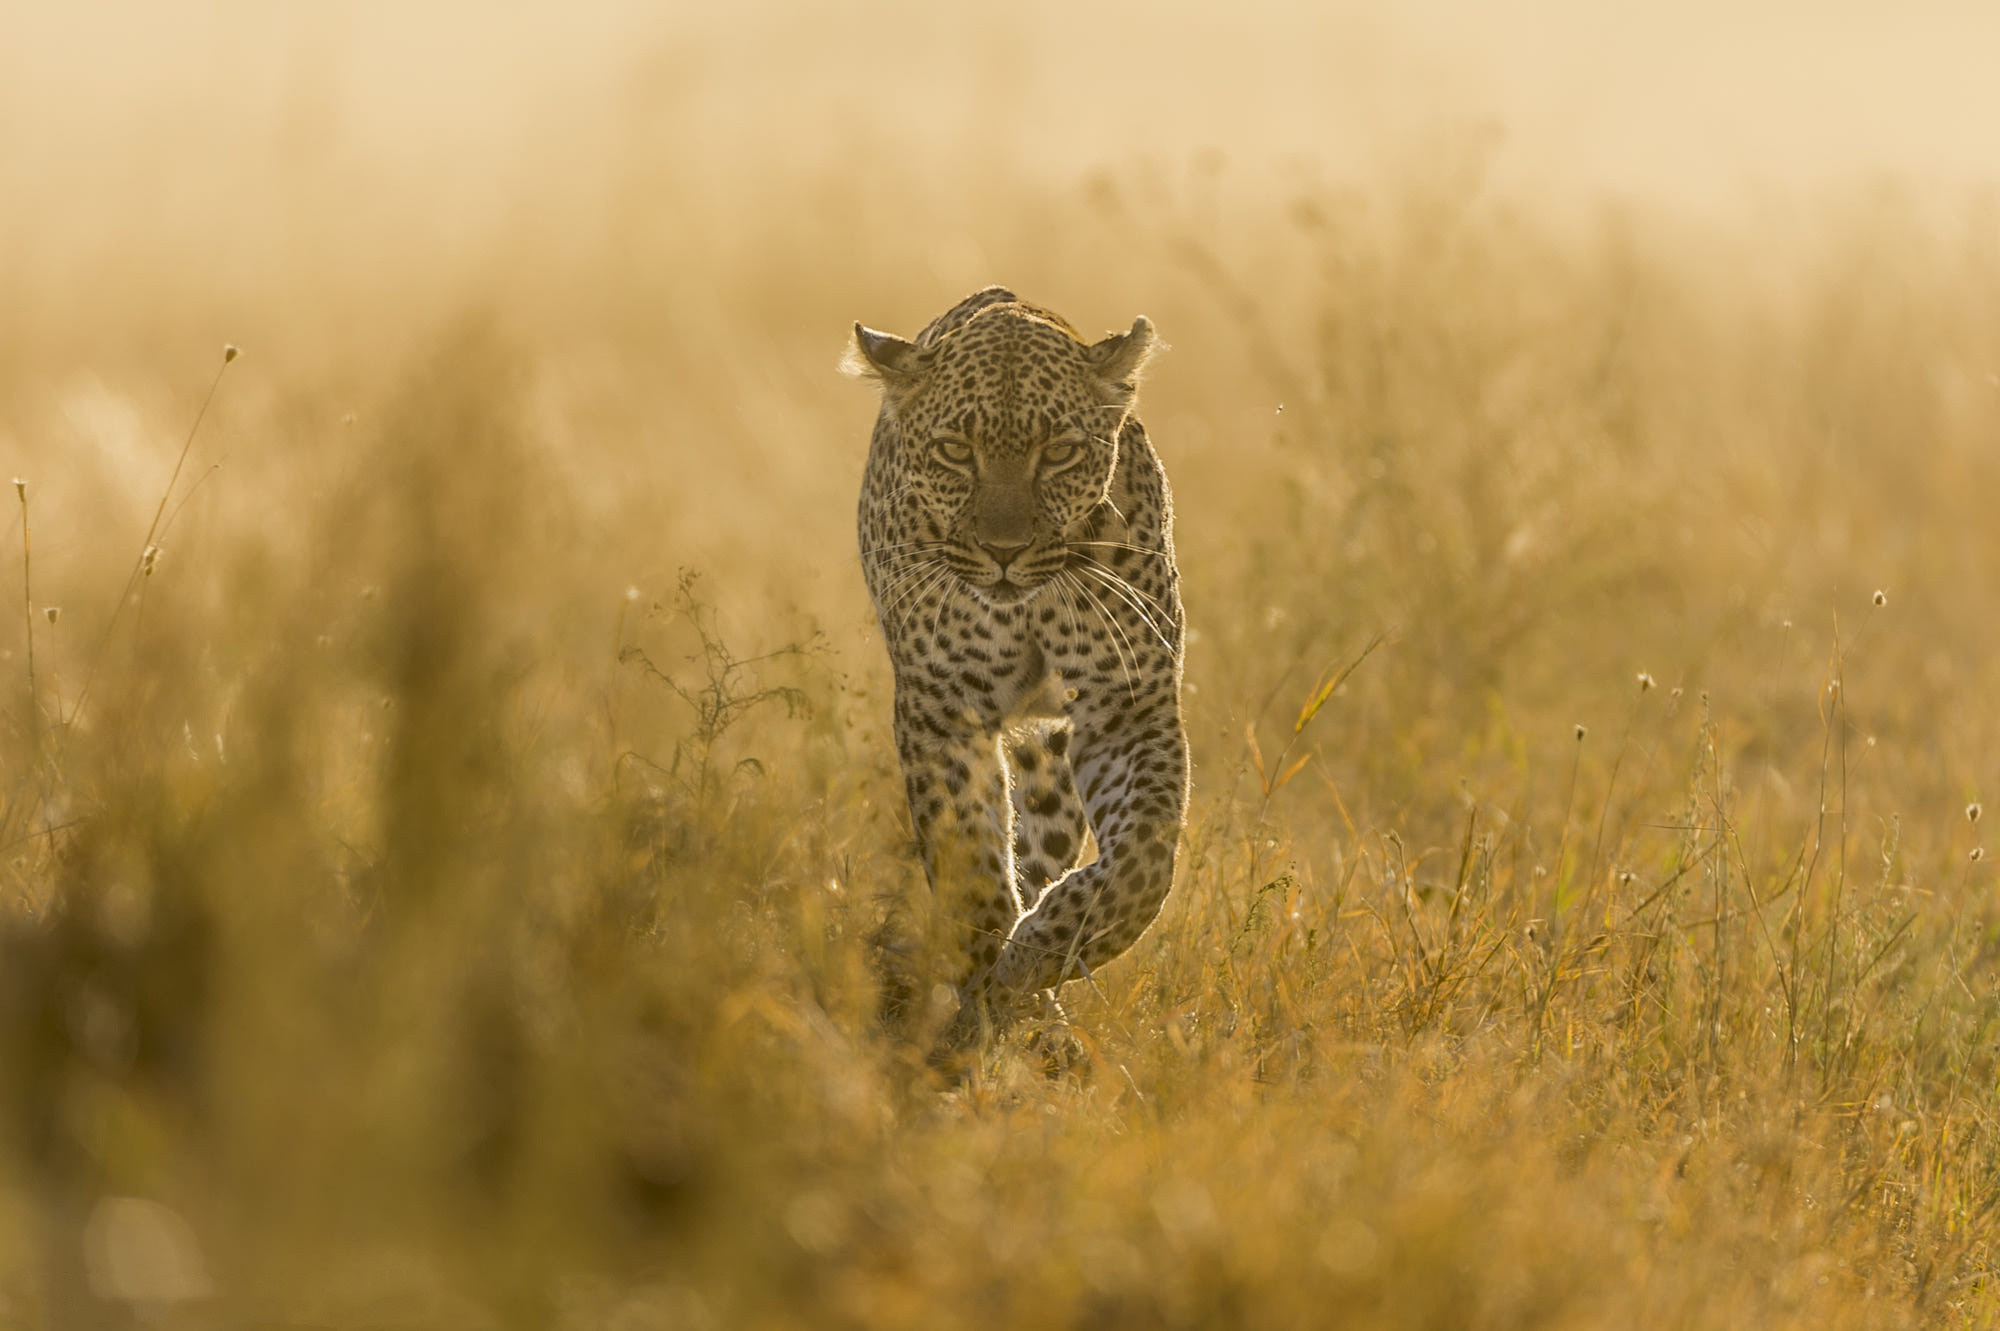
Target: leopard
<point x="1017" y="540"/>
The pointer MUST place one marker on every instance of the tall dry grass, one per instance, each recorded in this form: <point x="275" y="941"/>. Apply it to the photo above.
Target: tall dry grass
<point x="444" y="889"/>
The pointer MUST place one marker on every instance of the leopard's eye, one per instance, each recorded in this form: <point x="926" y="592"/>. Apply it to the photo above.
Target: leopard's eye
<point x="955" y="451"/>
<point x="1060" y="455"/>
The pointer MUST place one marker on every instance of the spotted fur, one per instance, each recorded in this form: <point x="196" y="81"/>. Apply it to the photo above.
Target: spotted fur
<point x="1017" y="538"/>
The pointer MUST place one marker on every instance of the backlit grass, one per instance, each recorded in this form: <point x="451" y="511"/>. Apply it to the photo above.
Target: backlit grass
<point x="447" y="886"/>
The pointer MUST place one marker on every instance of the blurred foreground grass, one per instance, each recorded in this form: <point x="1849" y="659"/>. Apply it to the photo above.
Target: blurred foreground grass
<point x="413" y="926"/>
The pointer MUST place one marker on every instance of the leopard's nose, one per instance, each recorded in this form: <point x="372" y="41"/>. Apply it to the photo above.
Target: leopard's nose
<point x="1003" y="552"/>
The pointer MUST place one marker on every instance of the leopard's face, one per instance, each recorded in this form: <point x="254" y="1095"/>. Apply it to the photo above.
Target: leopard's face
<point x="1008" y="434"/>
<point x="1009" y="476"/>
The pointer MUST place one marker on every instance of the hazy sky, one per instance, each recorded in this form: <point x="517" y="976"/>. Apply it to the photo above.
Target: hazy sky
<point x="111" y="115"/>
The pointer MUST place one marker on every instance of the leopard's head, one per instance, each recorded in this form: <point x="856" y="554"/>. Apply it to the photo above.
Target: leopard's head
<point x="1008" y="429"/>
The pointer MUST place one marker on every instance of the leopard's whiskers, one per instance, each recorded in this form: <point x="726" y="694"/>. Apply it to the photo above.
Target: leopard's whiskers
<point x="1069" y="603"/>
<point x="893" y="573"/>
<point x="1119" y="588"/>
<point x="1126" y="545"/>
<point x="937" y="617"/>
<point x="1111" y="621"/>
<point x="1163" y="609"/>
<point x="875" y="550"/>
<point x="915" y="584"/>
<point x="943" y="587"/>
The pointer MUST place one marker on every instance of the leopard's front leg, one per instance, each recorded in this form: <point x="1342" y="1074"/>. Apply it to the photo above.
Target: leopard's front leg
<point x="957" y="786"/>
<point x="1131" y="767"/>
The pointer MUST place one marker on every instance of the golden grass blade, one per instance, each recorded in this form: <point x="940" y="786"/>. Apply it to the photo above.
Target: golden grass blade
<point x="1331" y="683"/>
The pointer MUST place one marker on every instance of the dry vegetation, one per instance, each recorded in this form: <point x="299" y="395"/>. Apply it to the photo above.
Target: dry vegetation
<point x="403" y="923"/>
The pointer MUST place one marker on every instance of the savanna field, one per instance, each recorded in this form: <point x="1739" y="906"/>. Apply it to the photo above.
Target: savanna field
<point x="450" y="832"/>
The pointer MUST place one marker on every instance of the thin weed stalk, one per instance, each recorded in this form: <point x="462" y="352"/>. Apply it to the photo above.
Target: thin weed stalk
<point x="1277" y="775"/>
<point x="1557" y="942"/>
<point x="28" y="616"/>
<point x="143" y="565"/>
<point x="1836" y="722"/>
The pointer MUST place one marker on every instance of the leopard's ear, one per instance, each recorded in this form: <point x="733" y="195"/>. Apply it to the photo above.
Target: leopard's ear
<point x="1120" y="358"/>
<point x="898" y="364"/>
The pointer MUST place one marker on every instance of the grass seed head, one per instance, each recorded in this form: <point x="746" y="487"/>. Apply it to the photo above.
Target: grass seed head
<point x="1580" y="732"/>
<point x="1972" y="812"/>
<point x="1881" y="597"/>
<point x="1978" y="854"/>
<point x="1645" y="681"/>
<point x="52" y="613"/>
<point x="229" y="352"/>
